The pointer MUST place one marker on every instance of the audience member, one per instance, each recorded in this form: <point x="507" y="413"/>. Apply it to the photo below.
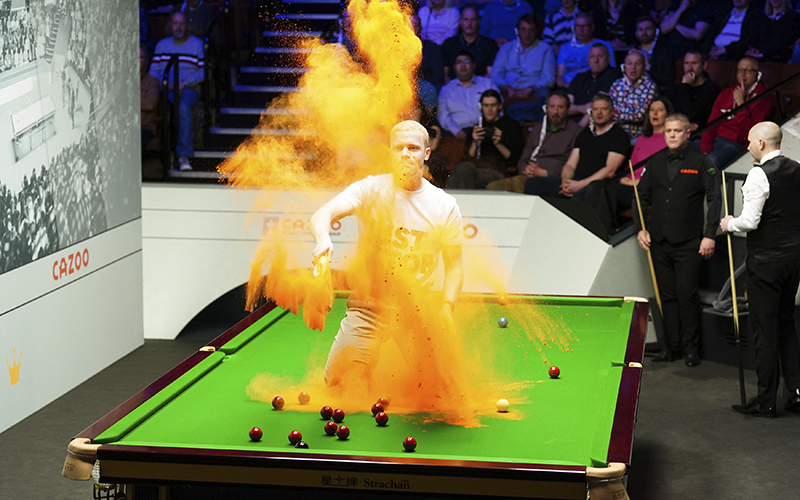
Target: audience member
<point x="660" y="65"/>
<point x="632" y="94"/>
<point x="771" y="218"/>
<point x="779" y="33"/>
<point x="525" y="68"/>
<point x="573" y="57"/>
<point x="558" y="25"/>
<point x="459" y="99"/>
<point x="599" y="151"/>
<point x="735" y="32"/>
<point x="587" y="84"/>
<point x="500" y="17"/>
<point x="612" y="21"/>
<point x="671" y="191"/>
<point x="482" y="48"/>
<point x="620" y="193"/>
<point x="548" y="147"/>
<point x="651" y="141"/>
<point x="439" y="21"/>
<point x="199" y="15"/>
<point x="727" y="140"/>
<point x="695" y="95"/>
<point x="431" y="67"/>
<point x="684" y="26"/>
<point x="148" y="91"/>
<point x="491" y="147"/>
<point x="190" y="74"/>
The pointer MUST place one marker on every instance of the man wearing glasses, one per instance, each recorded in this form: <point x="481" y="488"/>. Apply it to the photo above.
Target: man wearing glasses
<point x="726" y="141"/>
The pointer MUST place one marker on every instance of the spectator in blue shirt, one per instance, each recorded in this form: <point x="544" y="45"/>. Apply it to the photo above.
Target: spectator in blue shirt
<point x="460" y="98"/>
<point x="500" y="17"/>
<point x="573" y="57"/>
<point x="526" y="66"/>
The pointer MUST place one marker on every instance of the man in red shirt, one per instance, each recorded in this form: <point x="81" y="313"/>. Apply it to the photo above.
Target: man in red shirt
<point x="727" y="140"/>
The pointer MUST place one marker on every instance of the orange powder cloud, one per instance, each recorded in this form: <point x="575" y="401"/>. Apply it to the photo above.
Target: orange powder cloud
<point x="349" y="105"/>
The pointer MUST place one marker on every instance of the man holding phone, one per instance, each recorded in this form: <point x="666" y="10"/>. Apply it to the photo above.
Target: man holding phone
<point x="727" y="140"/>
<point x="491" y="149"/>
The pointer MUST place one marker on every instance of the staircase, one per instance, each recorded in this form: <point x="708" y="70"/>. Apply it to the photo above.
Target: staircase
<point x="273" y="70"/>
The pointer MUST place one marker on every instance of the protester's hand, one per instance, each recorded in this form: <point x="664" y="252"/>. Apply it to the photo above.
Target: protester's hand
<point x="324" y="247"/>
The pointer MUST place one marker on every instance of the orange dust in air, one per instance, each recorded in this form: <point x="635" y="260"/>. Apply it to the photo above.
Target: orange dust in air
<point x="331" y="132"/>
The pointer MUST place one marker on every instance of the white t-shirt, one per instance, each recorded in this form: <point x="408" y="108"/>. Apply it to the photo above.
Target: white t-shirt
<point x="423" y="221"/>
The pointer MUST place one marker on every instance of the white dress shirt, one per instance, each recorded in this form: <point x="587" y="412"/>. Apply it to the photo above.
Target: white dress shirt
<point x="755" y="192"/>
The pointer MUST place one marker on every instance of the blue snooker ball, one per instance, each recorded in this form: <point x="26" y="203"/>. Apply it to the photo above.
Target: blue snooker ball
<point x="503" y="322"/>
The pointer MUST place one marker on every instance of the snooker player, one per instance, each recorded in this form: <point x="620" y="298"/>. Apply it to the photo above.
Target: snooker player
<point x="405" y="224"/>
<point x="771" y="217"/>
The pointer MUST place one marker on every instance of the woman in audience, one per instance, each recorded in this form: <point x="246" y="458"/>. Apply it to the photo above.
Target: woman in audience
<point x="439" y="21"/>
<point x="780" y="33"/>
<point x="652" y="139"/>
<point x="620" y="194"/>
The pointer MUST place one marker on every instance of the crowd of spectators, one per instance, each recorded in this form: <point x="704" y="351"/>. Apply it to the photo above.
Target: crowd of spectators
<point x="555" y="63"/>
<point x="17" y="40"/>
<point x="58" y="206"/>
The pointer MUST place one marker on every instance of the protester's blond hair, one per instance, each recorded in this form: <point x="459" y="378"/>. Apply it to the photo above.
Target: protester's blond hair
<point x="412" y="126"/>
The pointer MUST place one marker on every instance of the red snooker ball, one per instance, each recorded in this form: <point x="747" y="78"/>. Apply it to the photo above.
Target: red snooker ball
<point x="385" y="402"/>
<point x="295" y="437"/>
<point x="409" y="443"/>
<point x="326" y="412"/>
<point x="377" y="408"/>
<point x="554" y="372"/>
<point x="278" y="402"/>
<point x="342" y="432"/>
<point x="330" y="428"/>
<point x="338" y="415"/>
<point x="381" y="418"/>
<point x="303" y="398"/>
<point x="255" y="434"/>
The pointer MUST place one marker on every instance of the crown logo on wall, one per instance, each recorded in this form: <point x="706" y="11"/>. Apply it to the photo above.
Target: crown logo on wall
<point x="13" y="369"/>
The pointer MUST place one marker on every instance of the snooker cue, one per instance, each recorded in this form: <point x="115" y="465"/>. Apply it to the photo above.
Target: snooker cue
<point x="649" y="256"/>
<point x="735" y="300"/>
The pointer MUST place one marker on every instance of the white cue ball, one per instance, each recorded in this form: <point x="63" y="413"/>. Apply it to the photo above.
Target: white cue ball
<point x="503" y="322"/>
<point x="502" y="405"/>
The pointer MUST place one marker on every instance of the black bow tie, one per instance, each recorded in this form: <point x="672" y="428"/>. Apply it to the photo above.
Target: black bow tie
<point x="673" y="157"/>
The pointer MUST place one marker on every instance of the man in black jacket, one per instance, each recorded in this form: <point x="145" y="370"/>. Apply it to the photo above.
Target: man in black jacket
<point x="695" y="95"/>
<point x="672" y="190"/>
<point x="735" y="32"/>
<point x="771" y="217"/>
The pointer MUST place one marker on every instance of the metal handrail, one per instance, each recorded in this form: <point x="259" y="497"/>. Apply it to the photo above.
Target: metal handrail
<point x="168" y="130"/>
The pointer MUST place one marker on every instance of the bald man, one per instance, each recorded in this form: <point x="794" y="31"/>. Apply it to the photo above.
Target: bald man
<point x="771" y="218"/>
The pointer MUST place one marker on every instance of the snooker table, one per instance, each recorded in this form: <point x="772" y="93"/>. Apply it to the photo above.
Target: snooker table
<point x="189" y="428"/>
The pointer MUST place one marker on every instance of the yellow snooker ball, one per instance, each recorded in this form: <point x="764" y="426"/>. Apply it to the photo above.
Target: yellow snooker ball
<point x="502" y="405"/>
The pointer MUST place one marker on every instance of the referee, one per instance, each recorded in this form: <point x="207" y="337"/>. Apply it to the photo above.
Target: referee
<point x="771" y="217"/>
<point x="672" y="189"/>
